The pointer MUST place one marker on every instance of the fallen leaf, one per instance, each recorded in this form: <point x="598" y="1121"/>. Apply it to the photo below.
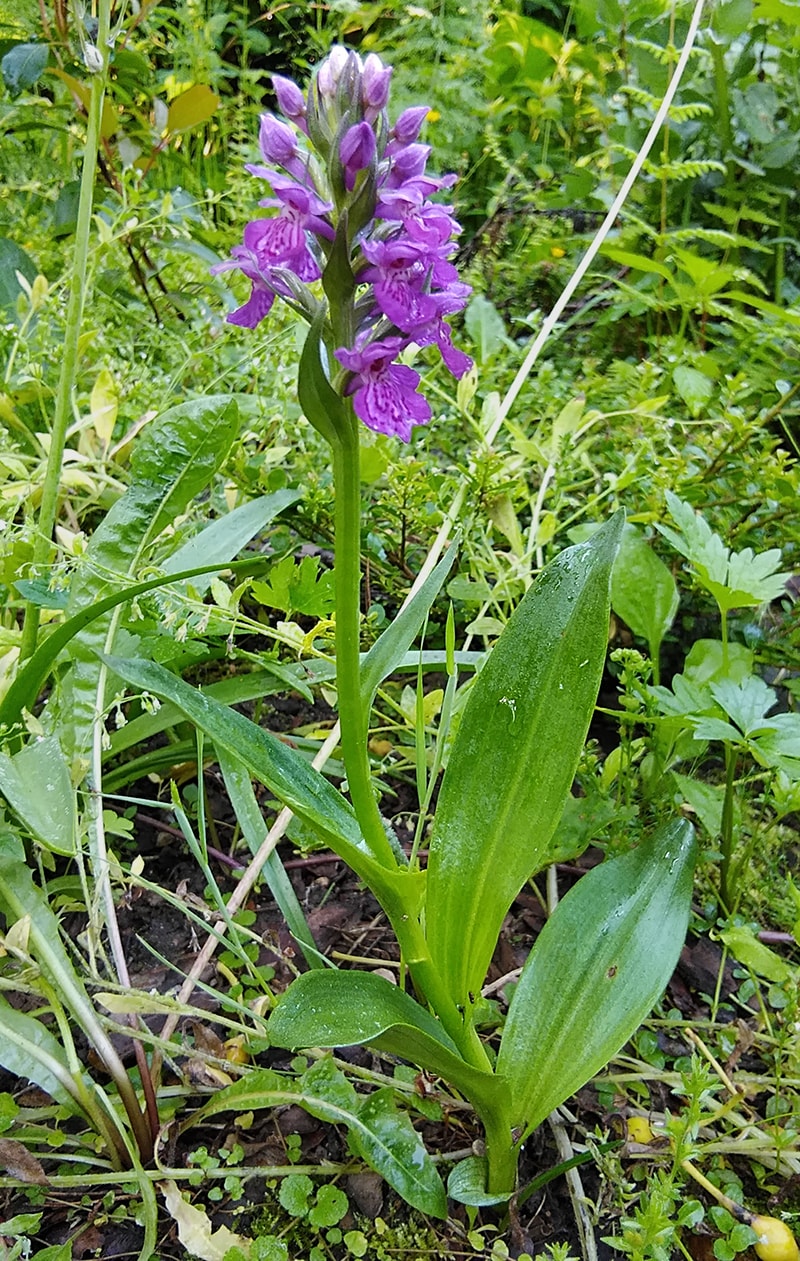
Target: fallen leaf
<point x="19" y="1163"/>
<point x="194" y="1228"/>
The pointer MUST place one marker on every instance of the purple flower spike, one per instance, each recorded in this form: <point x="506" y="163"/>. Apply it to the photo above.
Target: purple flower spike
<point x="291" y="101"/>
<point x="374" y="86"/>
<point x="352" y="182"/>
<point x="384" y="393"/>
<point x="356" y="151"/>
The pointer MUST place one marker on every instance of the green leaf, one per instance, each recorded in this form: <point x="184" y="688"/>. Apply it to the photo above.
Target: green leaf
<point x="274" y="764"/>
<point x="643" y="591"/>
<point x="174" y="459"/>
<point x="638" y="262"/>
<point x="36" y="783"/>
<point x="321" y="405"/>
<point x="26" y="686"/>
<point x="225" y="538"/>
<point x="333" y="1009"/>
<point x="386" y="1140"/>
<point x="731" y="17"/>
<point x="466" y="1183"/>
<point x="22" y="65"/>
<point x="707" y="662"/>
<point x="251" y="821"/>
<point x="13" y="260"/>
<point x="297" y="587"/>
<point x="694" y="387"/>
<point x="29" y="1050"/>
<point x="485" y="326"/>
<point x="596" y="969"/>
<point x="389" y="649"/>
<point x="191" y="108"/>
<point x="746" y="947"/>
<point x="735" y="579"/>
<point x="514" y="758"/>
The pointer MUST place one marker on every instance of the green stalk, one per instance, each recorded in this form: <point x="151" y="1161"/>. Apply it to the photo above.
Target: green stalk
<point x="355" y="727"/>
<point x="69" y="357"/>
<point x="347" y="584"/>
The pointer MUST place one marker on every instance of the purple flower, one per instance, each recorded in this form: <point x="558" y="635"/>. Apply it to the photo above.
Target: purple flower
<point x="398" y="274"/>
<point x="291" y="101"/>
<point x="278" y="144"/>
<point x="356" y="151"/>
<point x="407" y="127"/>
<point x="384" y="393"/>
<point x="424" y="221"/>
<point x="375" y="80"/>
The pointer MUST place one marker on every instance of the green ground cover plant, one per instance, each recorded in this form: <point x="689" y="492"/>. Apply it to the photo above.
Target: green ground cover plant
<point x="414" y="546"/>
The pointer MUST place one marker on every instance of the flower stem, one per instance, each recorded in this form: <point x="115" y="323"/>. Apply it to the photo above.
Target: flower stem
<point x="352" y="716"/>
<point x="69" y="354"/>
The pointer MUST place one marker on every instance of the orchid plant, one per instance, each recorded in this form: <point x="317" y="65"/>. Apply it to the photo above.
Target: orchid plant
<point x="361" y="250"/>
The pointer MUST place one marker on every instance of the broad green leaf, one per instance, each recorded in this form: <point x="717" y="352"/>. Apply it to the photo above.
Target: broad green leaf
<point x="485" y="326"/>
<point x="694" y="387"/>
<point x="514" y="758"/>
<point x="193" y="107"/>
<point x="174" y="459"/>
<point x="22" y="65"/>
<point x="388" y="1142"/>
<point x="283" y="771"/>
<point x="29" y="1050"/>
<point x="599" y="964"/>
<point x="333" y="1009"/>
<point x="13" y="259"/>
<point x="643" y="591"/>
<point x="328" y="1095"/>
<point x="745" y="946"/>
<point x="707" y="662"/>
<point x="731" y="18"/>
<point x="389" y="649"/>
<point x="466" y="1183"/>
<point x="224" y="539"/>
<point x="36" y="783"/>
<point x="638" y="262"/>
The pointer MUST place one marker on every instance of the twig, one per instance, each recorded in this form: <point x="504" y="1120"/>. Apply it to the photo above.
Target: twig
<point x="576" y="1194"/>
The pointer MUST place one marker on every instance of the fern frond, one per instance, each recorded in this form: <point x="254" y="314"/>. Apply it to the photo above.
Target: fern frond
<point x="687" y="169"/>
<point x="715" y="236"/>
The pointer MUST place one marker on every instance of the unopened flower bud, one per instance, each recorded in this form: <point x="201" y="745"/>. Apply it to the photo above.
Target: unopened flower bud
<point x="375" y="81"/>
<point x="276" y="140"/>
<point x="291" y="101"/>
<point x="330" y="71"/>
<point x="356" y="151"/>
<point x="409" y="124"/>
